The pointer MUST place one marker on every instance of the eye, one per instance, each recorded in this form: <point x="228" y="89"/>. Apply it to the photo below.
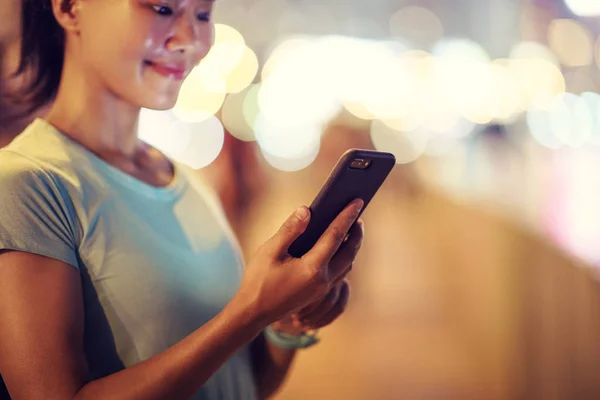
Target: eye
<point x="204" y="17"/>
<point x="162" y="10"/>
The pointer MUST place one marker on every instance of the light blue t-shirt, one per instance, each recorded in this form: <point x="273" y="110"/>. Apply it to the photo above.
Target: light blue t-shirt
<point x="155" y="263"/>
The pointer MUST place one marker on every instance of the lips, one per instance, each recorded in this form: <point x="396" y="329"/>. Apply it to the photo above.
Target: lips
<point x="169" y="70"/>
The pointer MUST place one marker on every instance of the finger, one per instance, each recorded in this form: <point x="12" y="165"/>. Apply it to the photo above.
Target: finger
<point x="335" y="234"/>
<point x="337" y="310"/>
<point x="316" y="311"/>
<point x="291" y="229"/>
<point x="344" y="275"/>
<point x="341" y="263"/>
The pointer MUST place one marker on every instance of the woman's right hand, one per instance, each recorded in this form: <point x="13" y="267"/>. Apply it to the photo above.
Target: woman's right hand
<point x="276" y="284"/>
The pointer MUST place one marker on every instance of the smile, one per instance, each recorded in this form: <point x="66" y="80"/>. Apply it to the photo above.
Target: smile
<point x="173" y="71"/>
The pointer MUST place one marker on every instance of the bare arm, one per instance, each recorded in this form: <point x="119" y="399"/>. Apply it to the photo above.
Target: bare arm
<point x="41" y="309"/>
<point x="41" y="341"/>
<point x="271" y="366"/>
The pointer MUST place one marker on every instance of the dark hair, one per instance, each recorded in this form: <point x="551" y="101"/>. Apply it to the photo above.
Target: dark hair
<point x="42" y="51"/>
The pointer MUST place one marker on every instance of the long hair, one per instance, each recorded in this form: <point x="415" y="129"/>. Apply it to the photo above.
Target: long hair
<point x="42" y="52"/>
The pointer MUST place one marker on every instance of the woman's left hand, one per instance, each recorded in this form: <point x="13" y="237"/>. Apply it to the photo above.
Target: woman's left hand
<point x="318" y="314"/>
<point x="326" y="311"/>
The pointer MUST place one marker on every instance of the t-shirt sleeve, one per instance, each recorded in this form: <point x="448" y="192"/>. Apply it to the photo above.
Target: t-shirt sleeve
<point x="36" y="215"/>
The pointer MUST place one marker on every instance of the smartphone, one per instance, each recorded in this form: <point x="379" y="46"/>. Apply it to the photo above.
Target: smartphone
<point x="357" y="174"/>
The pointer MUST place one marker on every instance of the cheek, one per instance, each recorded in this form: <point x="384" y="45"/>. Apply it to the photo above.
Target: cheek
<point x="206" y="42"/>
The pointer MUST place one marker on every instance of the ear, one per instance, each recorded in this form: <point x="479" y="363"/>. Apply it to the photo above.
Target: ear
<point x="66" y="13"/>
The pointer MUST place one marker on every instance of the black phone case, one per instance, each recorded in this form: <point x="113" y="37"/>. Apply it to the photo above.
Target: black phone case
<point x="343" y="185"/>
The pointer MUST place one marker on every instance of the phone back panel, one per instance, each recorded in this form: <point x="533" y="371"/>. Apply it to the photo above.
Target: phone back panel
<point x="343" y="185"/>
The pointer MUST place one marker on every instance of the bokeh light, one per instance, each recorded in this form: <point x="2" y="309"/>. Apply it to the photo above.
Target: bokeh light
<point x="584" y="8"/>
<point x="283" y="51"/>
<point x="300" y="90"/>
<point x="405" y="146"/>
<point x="163" y="130"/>
<point x="571" y="41"/>
<point x="233" y="116"/>
<point x="287" y="139"/>
<point x="597" y="52"/>
<point x="196" y="102"/>
<point x="464" y="78"/>
<point x="540" y="127"/>
<point x="527" y="50"/>
<point x="592" y="101"/>
<point x="505" y="94"/>
<point x="538" y="79"/>
<point x="291" y="164"/>
<point x="206" y="142"/>
<point x="580" y="80"/>
<point x="225" y="33"/>
<point x="243" y="73"/>
<point x="416" y="24"/>
<point x="565" y="121"/>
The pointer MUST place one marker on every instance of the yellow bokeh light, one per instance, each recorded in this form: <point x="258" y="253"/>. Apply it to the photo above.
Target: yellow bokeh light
<point x="571" y="41"/>
<point x="232" y="115"/>
<point x="464" y="79"/>
<point x="597" y="52"/>
<point x="251" y="108"/>
<point x="225" y="33"/>
<point x="283" y="53"/>
<point x="243" y="73"/>
<point x="525" y="50"/>
<point x="222" y="58"/>
<point x="358" y="110"/>
<point x="196" y="102"/>
<point x="505" y="95"/>
<point x="539" y="81"/>
<point x="405" y="146"/>
<point x="299" y="86"/>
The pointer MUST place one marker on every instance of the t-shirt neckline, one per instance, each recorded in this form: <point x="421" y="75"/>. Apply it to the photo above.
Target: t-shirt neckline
<point x="169" y="191"/>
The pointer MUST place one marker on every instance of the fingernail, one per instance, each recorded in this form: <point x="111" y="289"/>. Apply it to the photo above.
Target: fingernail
<point x="302" y="213"/>
<point x="360" y="204"/>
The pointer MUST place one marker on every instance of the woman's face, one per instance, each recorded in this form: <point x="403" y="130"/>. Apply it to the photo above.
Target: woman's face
<point x="142" y="50"/>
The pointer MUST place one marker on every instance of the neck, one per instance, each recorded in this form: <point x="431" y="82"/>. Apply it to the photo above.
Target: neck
<point x="86" y="112"/>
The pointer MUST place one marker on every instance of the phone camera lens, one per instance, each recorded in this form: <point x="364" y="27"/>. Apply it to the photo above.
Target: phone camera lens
<point x="360" y="164"/>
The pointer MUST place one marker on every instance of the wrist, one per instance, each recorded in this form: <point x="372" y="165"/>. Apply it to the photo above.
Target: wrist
<point x="245" y="316"/>
<point x="290" y="341"/>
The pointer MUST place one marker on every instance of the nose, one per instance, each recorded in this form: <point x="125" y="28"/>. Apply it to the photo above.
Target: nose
<point x="190" y="37"/>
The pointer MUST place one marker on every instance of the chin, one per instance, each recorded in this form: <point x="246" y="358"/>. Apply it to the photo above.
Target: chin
<point x="160" y="104"/>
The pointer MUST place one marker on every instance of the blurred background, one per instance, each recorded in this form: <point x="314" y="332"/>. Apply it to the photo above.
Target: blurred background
<point x="477" y="277"/>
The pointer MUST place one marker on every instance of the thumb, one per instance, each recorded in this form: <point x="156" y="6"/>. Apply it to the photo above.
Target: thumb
<point x="293" y="227"/>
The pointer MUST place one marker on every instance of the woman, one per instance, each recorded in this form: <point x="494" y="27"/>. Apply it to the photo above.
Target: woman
<point x="119" y="278"/>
